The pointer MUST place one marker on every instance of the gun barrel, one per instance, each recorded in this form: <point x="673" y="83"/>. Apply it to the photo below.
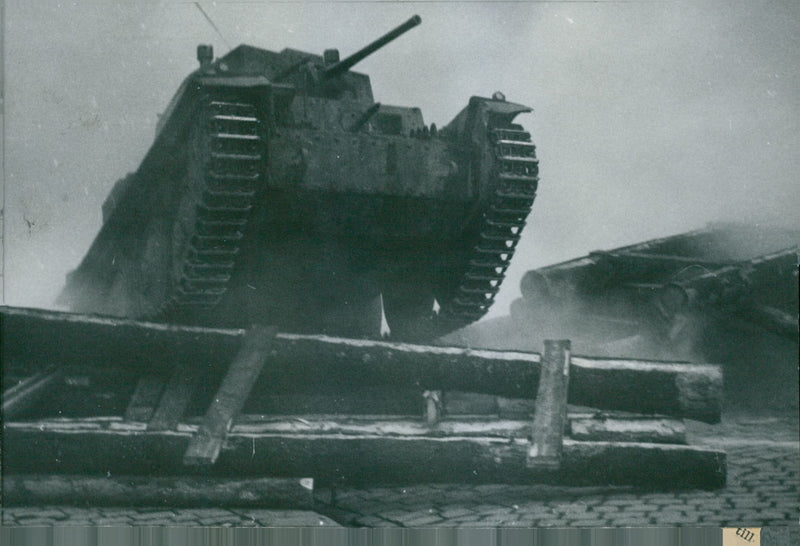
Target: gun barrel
<point x="347" y="63"/>
<point x="365" y="117"/>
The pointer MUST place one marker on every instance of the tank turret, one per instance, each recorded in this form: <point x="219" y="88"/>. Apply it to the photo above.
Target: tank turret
<point x="278" y="191"/>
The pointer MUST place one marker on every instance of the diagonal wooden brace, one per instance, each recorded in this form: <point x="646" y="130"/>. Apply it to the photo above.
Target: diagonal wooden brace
<point x="20" y="397"/>
<point x="177" y="394"/>
<point x="206" y="444"/>
<point x="550" y="415"/>
<point x="145" y="399"/>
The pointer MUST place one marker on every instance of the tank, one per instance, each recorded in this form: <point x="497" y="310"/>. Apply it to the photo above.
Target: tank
<point x="277" y="191"/>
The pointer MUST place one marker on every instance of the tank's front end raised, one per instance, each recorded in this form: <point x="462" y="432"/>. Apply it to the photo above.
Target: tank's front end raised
<point x="273" y="195"/>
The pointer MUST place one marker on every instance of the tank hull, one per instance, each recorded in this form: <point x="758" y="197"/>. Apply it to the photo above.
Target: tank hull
<point x="259" y="204"/>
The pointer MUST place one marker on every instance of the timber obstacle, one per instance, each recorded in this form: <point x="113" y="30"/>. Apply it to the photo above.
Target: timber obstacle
<point x="146" y="410"/>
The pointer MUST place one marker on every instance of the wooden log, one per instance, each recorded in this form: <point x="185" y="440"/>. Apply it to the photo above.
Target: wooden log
<point x="369" y="456"/>
<point x="230" y="398"/>
<point x="357" y="401"/>
<point x="145" y="399"/>
<point x="681" y="390"/>
<point x="23" y="395"/>
<point x="171" y="492"/>
<point x="177" y="395"/>
<point x="658" y="431"/>
<point x="305" y="363"/>
<point x="336" y="365"/>
<point x="658" y="258"/>
<point x="583" y="275"/>
<point x="471" y="403"/>
<point x="771" y="318"/>
<point x="36" y="338"/>
<point x="399" y="427"/>
<point x="641" y="262"/>
<point x="551" y="407"/>
<point x="513" y="408"/>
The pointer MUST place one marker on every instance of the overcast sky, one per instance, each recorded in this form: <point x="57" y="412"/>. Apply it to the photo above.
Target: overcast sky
<point x="650" y="118"/>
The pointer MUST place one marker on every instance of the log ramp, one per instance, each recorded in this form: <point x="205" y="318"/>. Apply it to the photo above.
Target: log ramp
<point x="188" y="433"/>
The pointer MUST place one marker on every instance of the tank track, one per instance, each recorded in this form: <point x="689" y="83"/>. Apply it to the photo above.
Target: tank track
<point x="233" y="163"/>
<point x="515" y="181"/>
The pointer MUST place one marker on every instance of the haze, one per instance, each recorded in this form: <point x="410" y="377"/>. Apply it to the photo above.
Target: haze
<point x="650" y="118"/>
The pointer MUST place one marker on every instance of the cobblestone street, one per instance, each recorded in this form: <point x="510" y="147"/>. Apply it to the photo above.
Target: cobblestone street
<point x="205" y="517"/>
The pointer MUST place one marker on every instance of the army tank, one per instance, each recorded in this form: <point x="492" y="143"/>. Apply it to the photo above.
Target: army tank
<point x="277" y="191"/>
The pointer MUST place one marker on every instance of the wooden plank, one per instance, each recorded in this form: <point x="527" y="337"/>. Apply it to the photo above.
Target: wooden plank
<point x="367" y="457"/>
<point x="328" y="365"/>
<point x="177" y="395"/>
<point x="175" y="491"/>
<point x="145" y="399"/>
<point x="659" y="431"/>
<point x="550" y="415"/>
<point x="23" y="395"/>
<point x="230" y="398"/>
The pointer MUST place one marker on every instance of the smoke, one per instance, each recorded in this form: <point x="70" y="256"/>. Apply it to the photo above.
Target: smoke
<point x="649" y="118"/>
<point x="592" y="301"/>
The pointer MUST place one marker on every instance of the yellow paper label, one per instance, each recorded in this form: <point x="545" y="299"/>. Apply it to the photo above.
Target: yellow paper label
<point x="741" y="536"/>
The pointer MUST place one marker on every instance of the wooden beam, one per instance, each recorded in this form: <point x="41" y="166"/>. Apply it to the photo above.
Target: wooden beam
<point x="470" y="403"/>
<point x="380" y="452"/>
<point x="326" y="365"/>
<point x="388" y="426"/>
<point x="145" y="399"/>
<point x="357" y="401"/>
<point x="690" y="391"/>
<point x="23" y="395"/>
<point x="551" y="407"/>
<point x="230" y="398"/>
<point x="34" y="338"/>
<point x="621" y="266"/>
<point x="652" y="430"/>
<point x="175" y="491"/>
<point x="177" y="395"/>
<point x="771" y="318"/>
<point x="513" y="408"/>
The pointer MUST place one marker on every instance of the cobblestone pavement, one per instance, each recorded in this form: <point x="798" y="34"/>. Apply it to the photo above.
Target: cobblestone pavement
<point x="205" y="517"/>
<point x="763" y="485"/>
<point x="762" y="490"/>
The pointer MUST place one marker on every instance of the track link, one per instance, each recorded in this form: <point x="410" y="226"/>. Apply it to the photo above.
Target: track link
<point x="515" y="182"/>
<point x="234" y="154"/>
